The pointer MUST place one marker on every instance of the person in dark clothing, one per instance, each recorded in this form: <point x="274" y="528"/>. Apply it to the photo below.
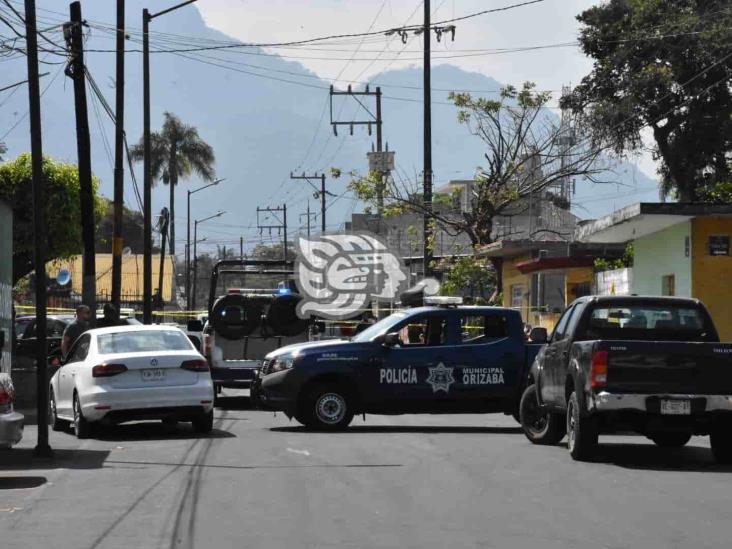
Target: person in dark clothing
<point x="110" y="318"/>
<point x="76" y="328"/>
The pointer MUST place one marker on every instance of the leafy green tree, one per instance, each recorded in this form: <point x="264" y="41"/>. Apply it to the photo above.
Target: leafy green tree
<point x="664" y="65"/>
<point x="177" y="151"/>
<point x="524" y="157"/>
<point x="62" y="210"/>
<point x="470" y="275"/>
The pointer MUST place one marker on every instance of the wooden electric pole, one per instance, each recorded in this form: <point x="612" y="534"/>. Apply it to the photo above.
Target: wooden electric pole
<point x="42" y="449"/>
<point x="322" y="193"/>
<point x="77" y="72"/>
<point x="117" y="239"/>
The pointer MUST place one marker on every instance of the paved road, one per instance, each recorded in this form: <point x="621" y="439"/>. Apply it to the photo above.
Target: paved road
<point x="405" y="481"/>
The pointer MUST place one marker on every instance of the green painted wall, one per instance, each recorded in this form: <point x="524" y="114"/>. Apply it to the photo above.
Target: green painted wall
<point x="6" y="283"/>
<point x="663" y="253"/>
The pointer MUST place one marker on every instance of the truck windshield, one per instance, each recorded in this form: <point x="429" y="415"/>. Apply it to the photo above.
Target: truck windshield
<point x="648" y="322"/>
<point x="381" y="327"/>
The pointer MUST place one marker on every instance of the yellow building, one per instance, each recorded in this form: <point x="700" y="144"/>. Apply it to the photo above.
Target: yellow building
<point x="132" y="270"/>
<point x="679" y="249"/>
<point x="540" y="277"/>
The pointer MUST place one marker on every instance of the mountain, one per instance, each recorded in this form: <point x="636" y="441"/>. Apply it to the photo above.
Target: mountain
<point x="260" y="113"/>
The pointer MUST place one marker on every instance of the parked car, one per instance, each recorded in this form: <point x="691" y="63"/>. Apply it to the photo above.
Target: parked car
<point x="437" y="359"/>
<point x="648" y="364"/>
<point x="24" y="355"/>
<point x="11" y="422"/>
<point x="130" y="373"/>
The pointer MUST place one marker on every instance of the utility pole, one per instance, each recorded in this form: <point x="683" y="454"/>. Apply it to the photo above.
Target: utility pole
<point x="117" y="239"/>
<point x="76" y="70"/>
<point x="322" y="193"/>
<point x="308" y="216"/>
<point x="241" y="247"/>
<point x="378" y="162"/>
<point x="280" y="226"/>
<point x="147" y="174"/>
<point x="147" y="177"/>
<point x="42" y="449"/>
<point x="427" y="171"/>
<point x="164" y="223"/>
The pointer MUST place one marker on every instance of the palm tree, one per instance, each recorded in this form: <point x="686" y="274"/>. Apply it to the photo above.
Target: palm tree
<point x="177" y="151"/>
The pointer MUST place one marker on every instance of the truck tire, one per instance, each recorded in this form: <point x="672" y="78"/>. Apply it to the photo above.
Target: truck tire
<point x="670" y="439"/>
<point x="540" y="427"/>
<point x="282" y="316"/>
<point x="721" y="443"/>
<point x="582" y="432"/>
<point x="326" y="407"/>
<point x="235" y="316"/>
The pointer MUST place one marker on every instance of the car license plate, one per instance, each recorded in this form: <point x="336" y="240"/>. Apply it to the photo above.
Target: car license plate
<point x="155" y="374"/>
<point x="676" y="407"/>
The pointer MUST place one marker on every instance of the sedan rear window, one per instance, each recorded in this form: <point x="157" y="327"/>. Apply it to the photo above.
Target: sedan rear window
<point x="145" y="341"/>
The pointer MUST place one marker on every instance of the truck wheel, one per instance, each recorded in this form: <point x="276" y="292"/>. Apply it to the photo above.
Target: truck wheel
<point x="540" y="427"/>
<point x="721" y="443"/>
<point x="670" y="439"/>
<point x="582" y="432"/>
<point x="327" y="408"/>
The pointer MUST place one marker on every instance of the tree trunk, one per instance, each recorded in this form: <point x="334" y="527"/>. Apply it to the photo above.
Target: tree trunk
<point x="173" y="182"/>
<point x="173" y="173"/>
<point x="497" y="263"/>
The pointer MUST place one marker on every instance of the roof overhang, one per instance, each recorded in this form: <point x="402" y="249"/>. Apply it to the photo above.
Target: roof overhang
<point x="540" y="264"/>
<point x="645" y="218"/>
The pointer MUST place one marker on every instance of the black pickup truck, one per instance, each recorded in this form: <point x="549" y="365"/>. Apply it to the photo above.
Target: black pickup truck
<point x="439" y="359"/>
<point x="651" y="365"/>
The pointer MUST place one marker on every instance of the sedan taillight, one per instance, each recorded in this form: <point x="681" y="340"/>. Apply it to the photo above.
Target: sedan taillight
<point x="195" y="365"/>
<point x="108" y="370"/>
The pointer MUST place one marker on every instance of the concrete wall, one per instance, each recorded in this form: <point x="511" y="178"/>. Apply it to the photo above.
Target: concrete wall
<point x="6" y="284"/>
<point x="711" y="274"/>
<point x="661" y="254"/>
<point x="513" y="277"/>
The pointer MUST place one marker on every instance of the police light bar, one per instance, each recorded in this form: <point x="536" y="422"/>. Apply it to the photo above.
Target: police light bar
<point x="284" y="291"/>
<point x="443" y="300"/>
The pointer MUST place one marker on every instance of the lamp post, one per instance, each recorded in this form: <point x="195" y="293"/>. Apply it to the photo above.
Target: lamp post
<point x="195" y="258"/>
<point x="147" y="164"/>
<point x="188" y="241"/>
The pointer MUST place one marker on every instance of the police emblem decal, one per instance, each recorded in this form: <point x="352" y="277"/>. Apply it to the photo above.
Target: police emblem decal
<point x="441" y="378"/>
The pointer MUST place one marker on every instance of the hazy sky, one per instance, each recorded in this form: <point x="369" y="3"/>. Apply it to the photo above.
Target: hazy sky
<point x="545" y="23"/>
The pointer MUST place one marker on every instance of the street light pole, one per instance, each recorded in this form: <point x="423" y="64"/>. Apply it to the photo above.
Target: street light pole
<point x="195" y="256"/>
<point x="188" y="241"/>
<point x="147" y="184"/>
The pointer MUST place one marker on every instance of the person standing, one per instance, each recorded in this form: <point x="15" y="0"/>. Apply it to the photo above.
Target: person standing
<point x="76" y="328"/>
<point x="110" y="318"/>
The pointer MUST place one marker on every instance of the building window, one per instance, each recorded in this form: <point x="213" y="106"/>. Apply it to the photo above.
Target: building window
<point x="517" y="296"/>
<point x="668" y="285"/>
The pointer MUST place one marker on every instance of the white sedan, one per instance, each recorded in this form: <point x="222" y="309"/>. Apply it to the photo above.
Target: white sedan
<point x="131" y="373"/>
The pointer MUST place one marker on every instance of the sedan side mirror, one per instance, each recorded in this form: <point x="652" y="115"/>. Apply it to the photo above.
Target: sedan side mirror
<point x="392" y="339"/>
<point x="538" y="335"/>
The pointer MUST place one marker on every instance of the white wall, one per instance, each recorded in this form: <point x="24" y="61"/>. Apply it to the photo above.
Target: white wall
<point x="663" y="253"/>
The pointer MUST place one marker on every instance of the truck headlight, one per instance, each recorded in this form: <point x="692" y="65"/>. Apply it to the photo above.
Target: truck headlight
<point x="282" y="364"/>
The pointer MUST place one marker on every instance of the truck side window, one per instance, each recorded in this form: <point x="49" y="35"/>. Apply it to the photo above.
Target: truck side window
<point x="561" y="328"/>
<point x="424" y="331"/>
<point x="476" y="329"/>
